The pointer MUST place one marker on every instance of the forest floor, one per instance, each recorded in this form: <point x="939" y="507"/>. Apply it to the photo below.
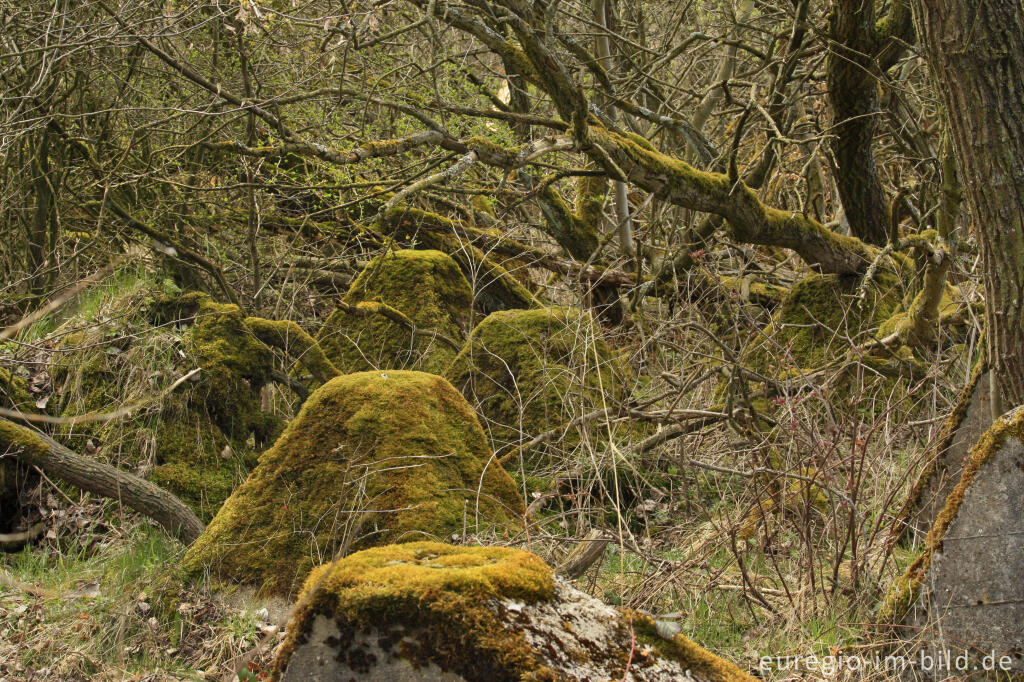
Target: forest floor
<point x="97" y="597"/>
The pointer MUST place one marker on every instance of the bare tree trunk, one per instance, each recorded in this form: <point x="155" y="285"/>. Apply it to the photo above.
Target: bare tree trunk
<point x="975" y="52"/>
<point x="623" y="220"/>
<point x="853" y="95"/>
<point x="37" y="247"/>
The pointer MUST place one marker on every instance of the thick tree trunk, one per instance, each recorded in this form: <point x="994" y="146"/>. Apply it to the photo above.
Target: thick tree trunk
<point x="144" y="497"/>
<point x="976" y="54"/>
<point x="853" y="95"/>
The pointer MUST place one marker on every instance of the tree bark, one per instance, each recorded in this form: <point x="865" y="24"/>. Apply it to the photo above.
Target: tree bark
<point x="975" y="51"/>
<point x="36" y="449"/>
<point x="853" y="95"/>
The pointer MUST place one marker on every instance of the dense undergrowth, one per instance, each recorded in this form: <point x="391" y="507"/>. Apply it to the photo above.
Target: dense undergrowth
<point x="765" y="526"/>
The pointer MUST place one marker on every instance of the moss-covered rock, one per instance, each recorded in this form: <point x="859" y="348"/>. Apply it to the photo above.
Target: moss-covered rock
<point x="497" y="286"/>
<point x="196" y="461"/>
<point x="203" y="439"/>
<point x="14" y="392"/>
<point x="372" y="457"/>
<point x="531" y="371"/>
<point x="1006" y="434"/>
<point x="966" y="424"/>
<point x="820" y="318"/>
<point x="426" y="288"/>
<point x="234" y="365"/>
<point x="433" y="611"/>
<point x="964" y="591"/>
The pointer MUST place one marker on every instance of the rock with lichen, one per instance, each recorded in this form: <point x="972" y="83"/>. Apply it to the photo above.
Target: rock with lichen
<point x="966" y="424"/>
<point x="532" y="371"/>
<point x="431" y="611"/>
<point x="964" y="591"/>
<point x="406" y="310"/>
<point x="372" y="458"/>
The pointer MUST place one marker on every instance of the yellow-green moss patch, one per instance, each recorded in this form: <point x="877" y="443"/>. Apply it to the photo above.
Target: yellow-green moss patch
<point x="13" y="395"/>
<point x="679" y="648"/>
<point x="433" y="586"/>
<point x="372" y="458"/>
<point x="202" y="441"/>
<point x="426" y="287"/>
<point x="820" y="317"/>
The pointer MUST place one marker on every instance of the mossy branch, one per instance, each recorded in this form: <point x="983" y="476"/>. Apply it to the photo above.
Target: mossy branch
<point x="748" y="219"/>
<point x="36" y="449"/>
<point x="670" y="179"/>
<point x="918" y="326"/>
<point x="576" y="231"/>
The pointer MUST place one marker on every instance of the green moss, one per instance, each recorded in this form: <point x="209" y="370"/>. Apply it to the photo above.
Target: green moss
<point x="752" y="290"/>
<point x="426" y="287"/>
<point x="578" y="232"/>
<point x="526" y="370"/>
<point x="234" y="366"/>
<point x="903" y="592"/>
<point x="441" y="600"/>
<point x="371" y="458"/>
<point x="89" y="384"/>
<point x="107" y="366"/>
<point x="495" y="286"/>
<point x="196" y="462"/>
<point x="20" y="439"/>
<point x="14" y="392"/>
<point x="821" y="315"/>
<point x="292" y="339"/>
<point x="13" y="395"/>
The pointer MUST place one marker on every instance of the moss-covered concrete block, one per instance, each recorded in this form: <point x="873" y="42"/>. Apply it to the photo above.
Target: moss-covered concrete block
<point x="196" y="461"/>
<point x="203" y="440"/>
<point x="426" y="288"/>
<point x="372" y="458"/>
<point x="430" y="611"/>
<point x="964" y="427"/>
<point x="531" y="371"/>
<point x="964" y="592"/>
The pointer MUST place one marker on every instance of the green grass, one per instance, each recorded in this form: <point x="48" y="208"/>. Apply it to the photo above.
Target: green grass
<point x="92" y="301"/>
<point x="86" y="612"/>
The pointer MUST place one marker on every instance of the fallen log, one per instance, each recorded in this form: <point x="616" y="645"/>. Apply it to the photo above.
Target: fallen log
<point x="37" y="449"/>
